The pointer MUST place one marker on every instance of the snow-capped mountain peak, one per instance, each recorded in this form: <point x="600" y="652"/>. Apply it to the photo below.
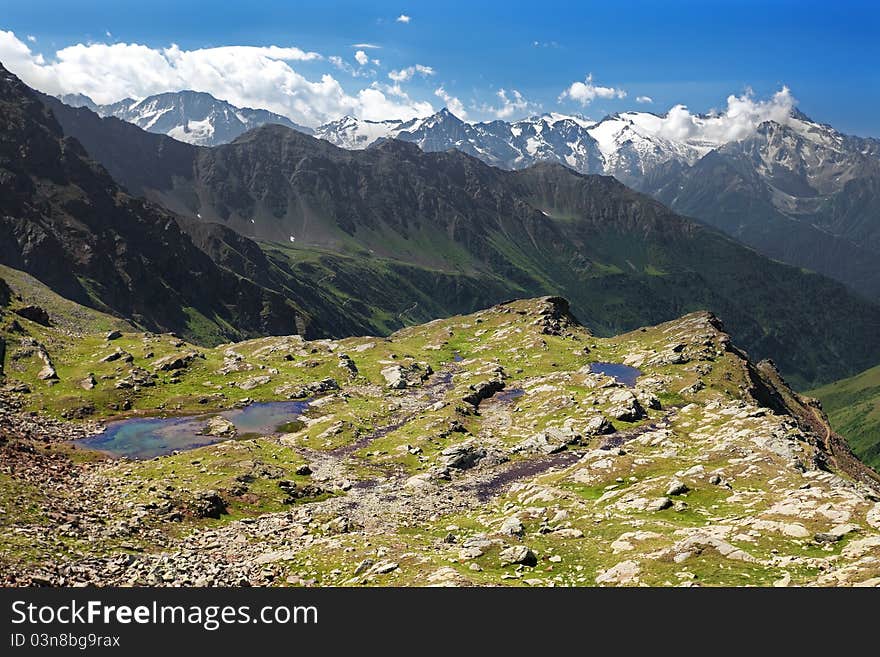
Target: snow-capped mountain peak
<point x="191" y="116"/>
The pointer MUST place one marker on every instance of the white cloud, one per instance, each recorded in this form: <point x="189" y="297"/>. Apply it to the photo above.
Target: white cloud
<point x="644" y="99"/>
<point x="403" y="18"/>
<point x="381" y="108"/>
<point x="377" y="62"/>
<point x="407" y="73"/>
<point x="361" y="57"/>
<point x="108" y="34"/>
<point x="586" y="92"/>
<point x="452" y="103"/>
<point x="246" y="76"/>
<point x="515" y="103"/>
<point x="366" y="46"/>
<point x="31" y="38"/>
<point x="740" y="119"/>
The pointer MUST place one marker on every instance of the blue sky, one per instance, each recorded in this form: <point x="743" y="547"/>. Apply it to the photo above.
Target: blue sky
<point x="674" y="52"/>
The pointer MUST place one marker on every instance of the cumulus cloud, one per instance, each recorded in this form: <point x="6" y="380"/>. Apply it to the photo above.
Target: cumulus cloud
<point x="452" y="103"/>
<point x="403" y="18"/>
<point x="361" y="57"/>
<point x="343" y="65"/>
<point x="586" y="92"/>
<point x="394" y="91"/>
<point x="31" y="38"/>
<point x="511" y="104"/>
<point x="247" y="76"/>
<point x="644" y="99"/>
<point x="738" y="120"/>
<point x="407" y="73"/>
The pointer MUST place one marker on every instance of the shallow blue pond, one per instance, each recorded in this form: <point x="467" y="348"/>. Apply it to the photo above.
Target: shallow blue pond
<point x="144" y="438"/>
<point x="621" y="373"/>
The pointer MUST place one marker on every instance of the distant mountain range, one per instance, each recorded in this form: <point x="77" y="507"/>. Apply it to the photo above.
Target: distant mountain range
<point x="798" y="191"/>
<point x="189" y="116"/>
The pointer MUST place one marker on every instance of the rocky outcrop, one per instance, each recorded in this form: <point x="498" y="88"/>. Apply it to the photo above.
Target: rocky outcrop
<point x="34" y="314"/>
<point x="176" y="361"/>
<point x="398" y="377"/>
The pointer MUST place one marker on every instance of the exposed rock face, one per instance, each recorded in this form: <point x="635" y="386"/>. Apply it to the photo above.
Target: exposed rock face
<point x="207" y="504"/>
<point x="254" y="382"/>
<point x="463" y="456"/>
<point x="398" y="377"/>
<point x="549" y="441"/>
<point x="31" y="348"/>
<point x="137" y="377"/>
<point x="175" y="361"/>
<point x="294" y="391"/>
<point x="35" y="314"/>
<point x="518" y="554"/>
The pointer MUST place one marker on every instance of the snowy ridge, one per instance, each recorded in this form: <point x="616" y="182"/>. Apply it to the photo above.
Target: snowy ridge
<point x="190" y="116"/>
<point x="628" y="145"/>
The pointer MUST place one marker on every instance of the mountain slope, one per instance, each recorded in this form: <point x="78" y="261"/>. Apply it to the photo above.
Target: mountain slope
<point x="808" y="201"/>
<point x="65" y="221"/>
<point x="853" y="406"/>
<point x="189" y="116"/>
<point x="490" y="234"/>
<point x="797" y="191"/>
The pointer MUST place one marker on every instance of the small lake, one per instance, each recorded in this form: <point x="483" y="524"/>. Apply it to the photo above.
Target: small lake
<point x="621" y="373"/>
<point x="144" y="438"/>
<point x="509" y="394"/>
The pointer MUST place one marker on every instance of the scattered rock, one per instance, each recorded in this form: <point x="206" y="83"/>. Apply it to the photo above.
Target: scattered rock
<point x="549" y="441"/>
<point x="518" y="554"/>
<point x="625" y="572"/>
<point x="175" y="361"/>
<point x="254" y="382"/>
<point x="625" y="406"/>
<point x="512" y="526"/>
<point x="483" y="390"/>
<point x="598" y="425"/>
<point x="462" y="456"/>
<point x="219" y="426"/>
<point x="347" y="364"/>
<point x="659" y="504"/>
<point x="208" y="504"/>
<point x="384" y="567"/>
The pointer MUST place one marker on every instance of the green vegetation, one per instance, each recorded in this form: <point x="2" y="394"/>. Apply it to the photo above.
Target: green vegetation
<point x="853" y="406"/>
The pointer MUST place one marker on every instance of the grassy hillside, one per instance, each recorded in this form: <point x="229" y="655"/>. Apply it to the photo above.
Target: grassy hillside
<point x="853" y="406"/>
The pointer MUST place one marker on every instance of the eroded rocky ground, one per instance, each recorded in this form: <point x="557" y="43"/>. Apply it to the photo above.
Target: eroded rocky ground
<point x="478" y="450"/>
